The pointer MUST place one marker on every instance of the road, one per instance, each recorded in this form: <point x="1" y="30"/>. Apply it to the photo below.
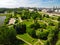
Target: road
<point x="51" y="14"/>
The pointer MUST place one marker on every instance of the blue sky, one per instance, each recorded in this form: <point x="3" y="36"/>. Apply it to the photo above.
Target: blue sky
<point x="29" y="3"/>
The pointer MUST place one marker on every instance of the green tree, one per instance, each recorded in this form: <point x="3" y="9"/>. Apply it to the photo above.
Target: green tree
<point x="35" y="26"/>
<point x="7" y="35"/>
<point x="58" y="42"/>
<point x="43" y="25"/>
<point x="58" y="18"/>
<point x="20" y="28"/>
<point x="42" y="34"/>
<point x="31" y="31"/>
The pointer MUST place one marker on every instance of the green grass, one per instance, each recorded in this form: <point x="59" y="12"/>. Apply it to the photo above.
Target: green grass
<point x="5" y="14"/>
<point x="28" y="23"/>
<point x="23" y="44"/>
<point x="2" y="14"/>
<point x="18" y="15"/>
<point x="27" y="38"/>
<point x="43" y="41"/>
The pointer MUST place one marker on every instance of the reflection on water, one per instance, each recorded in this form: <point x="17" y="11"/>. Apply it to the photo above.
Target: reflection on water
<point x="2" y="18"/>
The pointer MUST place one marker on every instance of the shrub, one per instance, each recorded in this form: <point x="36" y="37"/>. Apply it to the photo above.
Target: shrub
<point x="43" y="25"/>
<point x="7" y="35"/>
<point x="31" y="32"/>
<point x="35" y="26"/>
<point x="58" y="19"/>
<point x="42" y="34"/>
<point x="20" y="28"/>
<point x="47" y="43"/>
<point x="58" y="42"/>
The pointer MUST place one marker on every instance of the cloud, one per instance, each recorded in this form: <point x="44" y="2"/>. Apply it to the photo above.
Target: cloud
<point x="18" y="3"/>
<point x="8" y="3"/>
<point x="27" y="3"/>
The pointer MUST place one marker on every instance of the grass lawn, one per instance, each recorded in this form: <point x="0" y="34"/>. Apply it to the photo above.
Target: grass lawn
<point x="43" y="41"/>
<point x="25" y="44"/>
<point x="26" y="37"/>
<point x="28" y="23"/>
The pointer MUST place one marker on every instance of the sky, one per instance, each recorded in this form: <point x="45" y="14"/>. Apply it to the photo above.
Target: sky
<point x="29" y="3"/>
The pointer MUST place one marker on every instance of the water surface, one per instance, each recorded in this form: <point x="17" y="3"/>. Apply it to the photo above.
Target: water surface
<point x="2" y="18"/>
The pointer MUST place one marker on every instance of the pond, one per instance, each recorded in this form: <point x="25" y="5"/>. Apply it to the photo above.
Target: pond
<point x="2" y="18"/>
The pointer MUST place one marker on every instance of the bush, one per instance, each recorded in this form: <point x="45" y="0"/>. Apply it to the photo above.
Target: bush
<point x="31" y="32"/>
<point x="42" y="34"/>
<point x="40" y="17"/>
<point x="35" y="26"/>
<point x="51" y="23"/>
<point x="45" y="15"/>
<point x="58" y="42"/>
<point x="47" y="43"/>
<point x="43" y="25"/>
<point x="7" y="35"/>
<point x="58" y="19"/>
<point x="59" y="35"/>
<point x="16" y="21"/>
<point x="20" y="28"/>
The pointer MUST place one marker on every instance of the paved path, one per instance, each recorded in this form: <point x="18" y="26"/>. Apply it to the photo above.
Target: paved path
<point x="39" y="41"/>
<point x="23" y="40"/>
<point x="55" y="20"/>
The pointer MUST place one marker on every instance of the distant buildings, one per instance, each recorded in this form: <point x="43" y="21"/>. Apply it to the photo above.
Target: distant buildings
<point x="51" y="10"/>
<point x="31" y="9"/>
<point x="57" y="10"/>
<point x="44" y="10"/>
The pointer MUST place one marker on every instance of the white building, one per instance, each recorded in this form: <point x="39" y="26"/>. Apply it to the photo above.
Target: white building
<point x="31" y="9"/>
<point x="12" y="21"/>
<point x="57" y="10"/>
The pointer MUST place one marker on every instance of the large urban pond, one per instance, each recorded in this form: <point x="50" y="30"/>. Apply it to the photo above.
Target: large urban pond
<point x="2" y="18"/>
